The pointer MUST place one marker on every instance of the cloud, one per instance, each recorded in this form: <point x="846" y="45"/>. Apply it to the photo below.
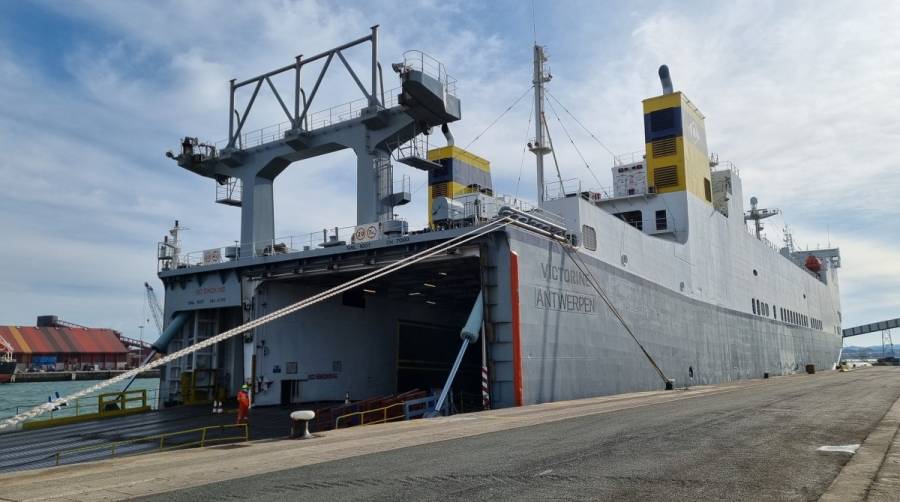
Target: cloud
<point x="801" y="96"/>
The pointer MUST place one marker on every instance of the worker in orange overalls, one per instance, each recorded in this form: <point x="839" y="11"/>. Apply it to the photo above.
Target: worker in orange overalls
<point x="243" y="399"/>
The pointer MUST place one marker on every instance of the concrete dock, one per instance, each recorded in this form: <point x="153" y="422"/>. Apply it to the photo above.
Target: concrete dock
<point x="750" y="440"/>
<point x="60" y="376"/>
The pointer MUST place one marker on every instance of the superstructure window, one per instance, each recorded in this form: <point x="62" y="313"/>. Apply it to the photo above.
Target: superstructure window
<point x="589" y="237"/>
<point x="707" y="189"/>
<point x="753" y="305"/>
<point x="661" y="223"/>
<point x="633" y="218"/>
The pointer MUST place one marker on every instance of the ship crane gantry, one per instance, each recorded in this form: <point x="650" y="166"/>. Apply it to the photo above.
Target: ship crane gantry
<point x="247" y="164"/>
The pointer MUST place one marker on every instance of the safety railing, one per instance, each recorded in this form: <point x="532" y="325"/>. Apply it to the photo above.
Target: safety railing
<point x="561" y="189"/>
<point x="313" y="121"/>
<point x="362" y="416"/>
<point x="423" y="62"/>
<point x="201" y="437"/>
<point x="629" y="158"/>
<point x="340" y="235"/>
<point x="97" y="406"/>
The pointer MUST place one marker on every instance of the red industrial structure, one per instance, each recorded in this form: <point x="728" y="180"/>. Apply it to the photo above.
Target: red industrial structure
<point x="58" y="345"/>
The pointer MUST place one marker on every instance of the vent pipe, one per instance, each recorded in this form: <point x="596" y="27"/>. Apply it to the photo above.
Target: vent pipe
<point x="665" y="79"/>
<point x="447" y="134"/>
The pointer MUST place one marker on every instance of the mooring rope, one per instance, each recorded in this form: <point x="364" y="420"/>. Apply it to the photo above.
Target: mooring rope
<point x="596" y="285"/>
<point x="375" y="274"/>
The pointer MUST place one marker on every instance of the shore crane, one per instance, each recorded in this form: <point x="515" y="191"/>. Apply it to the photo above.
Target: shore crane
<point x="6" y="350"/>
<point x="155" y="309"/>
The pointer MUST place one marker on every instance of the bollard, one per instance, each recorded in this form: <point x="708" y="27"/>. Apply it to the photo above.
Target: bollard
<point x="300" y="424"/>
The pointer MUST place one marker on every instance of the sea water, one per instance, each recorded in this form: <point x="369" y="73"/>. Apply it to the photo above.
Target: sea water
<point x="21" y="397"/>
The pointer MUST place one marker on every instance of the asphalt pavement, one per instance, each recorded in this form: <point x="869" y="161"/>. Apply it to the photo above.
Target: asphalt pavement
<point x="757" y="442"/>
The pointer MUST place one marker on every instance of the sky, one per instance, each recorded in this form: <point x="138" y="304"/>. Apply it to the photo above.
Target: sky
<point x="801" y="96"/>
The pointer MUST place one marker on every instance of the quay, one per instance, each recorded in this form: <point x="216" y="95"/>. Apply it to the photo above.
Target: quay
<point x="750" y="440"/>
<point x="59" y="376"/>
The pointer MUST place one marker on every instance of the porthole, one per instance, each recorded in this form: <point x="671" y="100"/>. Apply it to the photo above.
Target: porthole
<point x="755" y="273"/>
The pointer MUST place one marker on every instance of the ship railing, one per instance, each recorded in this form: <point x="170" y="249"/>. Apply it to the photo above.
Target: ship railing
<point x="202" y="436"/>
<point x="335" y="236"/>
<point x="315" y="120"/>
<point x="567" y="188"/>
<point x="425" y="63"/>
<point x="272" y="247"/>
<point x="562" y="189"/>
<point x="629" y="158"/>
<point x="100" y="405"/>
<point x="726" y="165"/>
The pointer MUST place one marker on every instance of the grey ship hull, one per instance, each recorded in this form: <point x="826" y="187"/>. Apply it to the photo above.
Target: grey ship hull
<point x="572" y="346"/>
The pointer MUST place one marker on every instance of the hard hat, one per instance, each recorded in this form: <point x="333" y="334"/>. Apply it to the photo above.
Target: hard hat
<point x="245" y="387"/>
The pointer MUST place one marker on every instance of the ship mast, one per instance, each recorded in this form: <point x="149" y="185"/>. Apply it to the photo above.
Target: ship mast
<point x="537" y="146"/>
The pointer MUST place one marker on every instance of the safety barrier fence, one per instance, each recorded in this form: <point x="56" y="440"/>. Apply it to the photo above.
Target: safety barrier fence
<point x="78" y="406"/>
<point x="105" y="405"/>
<point x="386" y="416"/>
<point x="202" y="436"/>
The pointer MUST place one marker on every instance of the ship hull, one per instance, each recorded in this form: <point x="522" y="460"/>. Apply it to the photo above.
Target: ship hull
<point x="7" y="368"/>
<point x="573" y="346"/>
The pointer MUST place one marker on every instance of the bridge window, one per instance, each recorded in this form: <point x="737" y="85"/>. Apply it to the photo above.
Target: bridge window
<point x="633" y="218"/>
<point x="661" y="223"/>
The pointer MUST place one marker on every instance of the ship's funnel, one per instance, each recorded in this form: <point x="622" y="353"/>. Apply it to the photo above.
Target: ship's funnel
<point x="665" y="79"/>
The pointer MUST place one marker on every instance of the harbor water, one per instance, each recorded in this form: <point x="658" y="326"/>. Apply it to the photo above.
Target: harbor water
<point x="20" y="397"/>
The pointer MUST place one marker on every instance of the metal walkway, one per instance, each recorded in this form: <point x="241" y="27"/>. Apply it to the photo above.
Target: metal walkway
<point x="872" y="327"/>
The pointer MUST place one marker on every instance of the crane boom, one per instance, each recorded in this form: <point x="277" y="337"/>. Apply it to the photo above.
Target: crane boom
<point x="155" y="309"/>
<point x="7" y="350"/>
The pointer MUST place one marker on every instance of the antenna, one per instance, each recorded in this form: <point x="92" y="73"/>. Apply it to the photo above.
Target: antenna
<point x="537" y="146"/>
<point x="756" y="215"/>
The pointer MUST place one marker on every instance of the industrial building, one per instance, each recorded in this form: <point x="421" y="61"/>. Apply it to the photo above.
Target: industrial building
<point x="57" y="345"/>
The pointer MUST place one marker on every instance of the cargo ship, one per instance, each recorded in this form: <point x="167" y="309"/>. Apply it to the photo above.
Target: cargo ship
<point x="654" y="283"/>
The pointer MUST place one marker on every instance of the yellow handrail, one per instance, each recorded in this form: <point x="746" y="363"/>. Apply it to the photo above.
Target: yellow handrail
<point x="113" y="447"/>
<point x="362" y="416"/>
<point x="95" y="405"/>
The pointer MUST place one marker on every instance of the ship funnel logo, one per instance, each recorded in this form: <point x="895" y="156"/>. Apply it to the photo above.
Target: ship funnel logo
<point x="694" y="131"/>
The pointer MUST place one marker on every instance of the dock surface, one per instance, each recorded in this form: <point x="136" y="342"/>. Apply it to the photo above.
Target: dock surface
<point x="751" y="440"/>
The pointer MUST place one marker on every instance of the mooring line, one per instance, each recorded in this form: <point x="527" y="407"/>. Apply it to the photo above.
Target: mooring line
<point x="375" y="274"/>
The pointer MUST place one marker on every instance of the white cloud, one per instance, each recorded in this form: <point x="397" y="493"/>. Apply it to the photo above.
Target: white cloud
<point x="802" y="96"/>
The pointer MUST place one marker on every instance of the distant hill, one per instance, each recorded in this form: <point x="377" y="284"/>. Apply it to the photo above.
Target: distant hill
<point x="871" y="352"/>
